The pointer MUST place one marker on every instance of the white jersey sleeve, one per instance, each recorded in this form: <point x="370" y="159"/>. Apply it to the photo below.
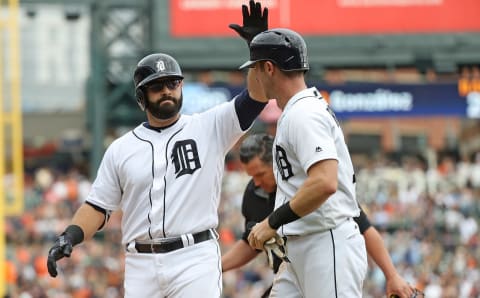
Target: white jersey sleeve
<point x="106" y="191"/>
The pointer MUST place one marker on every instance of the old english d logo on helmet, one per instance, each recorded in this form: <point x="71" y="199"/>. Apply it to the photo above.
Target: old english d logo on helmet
<point x="160" y="65"/>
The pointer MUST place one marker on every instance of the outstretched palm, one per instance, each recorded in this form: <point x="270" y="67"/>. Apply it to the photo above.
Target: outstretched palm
<point x="254" y="21"/>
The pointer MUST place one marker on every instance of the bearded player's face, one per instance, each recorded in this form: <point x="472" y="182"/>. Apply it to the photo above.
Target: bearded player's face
<point x="164" y="98"/>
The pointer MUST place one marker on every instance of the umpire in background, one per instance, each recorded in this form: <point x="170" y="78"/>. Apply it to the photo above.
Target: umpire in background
<point x="258" y="199"/>
<point x="258" y="202"/>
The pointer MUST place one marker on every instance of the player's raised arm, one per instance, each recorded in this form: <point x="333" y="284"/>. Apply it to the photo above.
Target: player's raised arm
<point x="250" y="102"/>
<point x="255" y="21"/>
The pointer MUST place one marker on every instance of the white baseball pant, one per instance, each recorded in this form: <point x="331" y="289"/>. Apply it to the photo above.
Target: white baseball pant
<point x="193" y="271"/>
<point x="328" y="264"/>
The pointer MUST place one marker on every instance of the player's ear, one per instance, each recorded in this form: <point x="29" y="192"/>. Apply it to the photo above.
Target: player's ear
<point x="269" y="67"/>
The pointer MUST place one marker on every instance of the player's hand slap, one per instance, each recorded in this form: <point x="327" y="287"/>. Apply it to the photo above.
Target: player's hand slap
<point x="254" y="21"/>
<point x="260" y="233"/>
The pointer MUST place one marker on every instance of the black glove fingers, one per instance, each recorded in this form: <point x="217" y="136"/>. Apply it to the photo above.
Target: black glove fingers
<point x="254" y="21"/>
<point x="252" y="8"/>
<point x="62" y="248"/>
<point x="67" y="250"/>
<point x="52" y="266"/>
<point x="235" y="27"/>
<point x="53" y="253"/>
<point x="258" y="10"/>
<point x="245" y="13"/>
<point x="265" y="16"/>
<point x="239" y="30"/>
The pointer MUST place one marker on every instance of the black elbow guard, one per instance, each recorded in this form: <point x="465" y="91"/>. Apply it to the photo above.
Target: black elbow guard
<point x="105" y="212"/>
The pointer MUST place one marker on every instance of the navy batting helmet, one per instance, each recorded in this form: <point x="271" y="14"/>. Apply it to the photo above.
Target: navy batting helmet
<point x="284" y="47"/>
<point x="153" y="67"/>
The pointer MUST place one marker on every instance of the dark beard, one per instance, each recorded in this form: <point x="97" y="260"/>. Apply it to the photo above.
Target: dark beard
<point x="165" y="112"/>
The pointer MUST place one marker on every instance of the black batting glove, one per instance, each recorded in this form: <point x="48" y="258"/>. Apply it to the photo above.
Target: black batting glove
<point x="254" y="21"/>
<point x="62" y="248"/>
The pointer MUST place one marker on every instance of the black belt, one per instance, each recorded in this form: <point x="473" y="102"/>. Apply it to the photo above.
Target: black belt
<point x="172" y="243"/>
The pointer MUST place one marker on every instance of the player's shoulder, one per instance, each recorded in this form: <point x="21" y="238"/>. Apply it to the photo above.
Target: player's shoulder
<point x="223" y="107"/>
<point x="308" y="99"/>
<point x="308" y="107"/>
<point x="125" y="138"/>
<point x="210" y="113"/>
<point x="310" y="102"/>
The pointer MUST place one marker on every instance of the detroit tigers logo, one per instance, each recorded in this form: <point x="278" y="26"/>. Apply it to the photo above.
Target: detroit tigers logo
<point x="160" y="65"/>
<point x="185" y="157"/>
<point x="283" y="166"/>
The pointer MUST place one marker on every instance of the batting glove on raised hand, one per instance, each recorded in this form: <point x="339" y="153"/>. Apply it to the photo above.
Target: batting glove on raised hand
<point x="275" y="246"/>
<point x="62" y="248"/>
<point x="254" y="21"/>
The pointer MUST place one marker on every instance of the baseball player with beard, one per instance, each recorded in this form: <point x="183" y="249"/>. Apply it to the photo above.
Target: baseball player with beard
<point x="165" y="176"/>
<point x="315" y="201"/>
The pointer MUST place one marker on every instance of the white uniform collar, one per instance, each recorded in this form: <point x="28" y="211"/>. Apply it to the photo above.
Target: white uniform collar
<point x="143" y="131"/>
<point x="309" y="92"/>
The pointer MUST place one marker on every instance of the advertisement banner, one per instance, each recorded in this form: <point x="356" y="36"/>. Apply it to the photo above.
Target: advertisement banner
<point x="210" y="18"/>
<point x="395" y="100"/>
<point x="364" y="100"/>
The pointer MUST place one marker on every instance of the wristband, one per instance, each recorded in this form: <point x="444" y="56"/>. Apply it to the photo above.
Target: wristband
<point x="282" y="216"/>
<point x="75" y="233"/>
<point x="362" y="222"/>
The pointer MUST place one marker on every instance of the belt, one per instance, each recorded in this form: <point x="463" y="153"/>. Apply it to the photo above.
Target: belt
<point x="173" y="243"/>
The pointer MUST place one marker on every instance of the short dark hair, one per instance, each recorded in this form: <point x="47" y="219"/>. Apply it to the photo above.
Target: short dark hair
<point x="257" y="145"/>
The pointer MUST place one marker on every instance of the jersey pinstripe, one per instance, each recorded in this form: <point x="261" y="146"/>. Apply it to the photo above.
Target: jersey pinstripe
<point x="167" y="199"/>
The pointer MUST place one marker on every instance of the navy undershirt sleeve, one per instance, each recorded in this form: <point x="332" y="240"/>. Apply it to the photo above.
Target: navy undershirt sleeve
<point x="247" y="109"/>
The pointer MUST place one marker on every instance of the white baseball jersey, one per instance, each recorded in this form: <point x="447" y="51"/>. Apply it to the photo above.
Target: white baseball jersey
<point x="308" y="132"/>
<point x="168" y="182"/>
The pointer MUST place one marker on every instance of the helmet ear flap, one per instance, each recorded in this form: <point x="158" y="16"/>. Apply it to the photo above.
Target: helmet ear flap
<point x="141" y="100"/>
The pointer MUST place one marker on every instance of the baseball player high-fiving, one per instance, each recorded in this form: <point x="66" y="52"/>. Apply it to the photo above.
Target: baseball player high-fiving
<point x="165" y="176"/>
<point x="315" y="201"/>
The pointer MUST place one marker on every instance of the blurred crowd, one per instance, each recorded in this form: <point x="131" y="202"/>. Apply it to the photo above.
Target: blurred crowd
<point x="428" y="217"/>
